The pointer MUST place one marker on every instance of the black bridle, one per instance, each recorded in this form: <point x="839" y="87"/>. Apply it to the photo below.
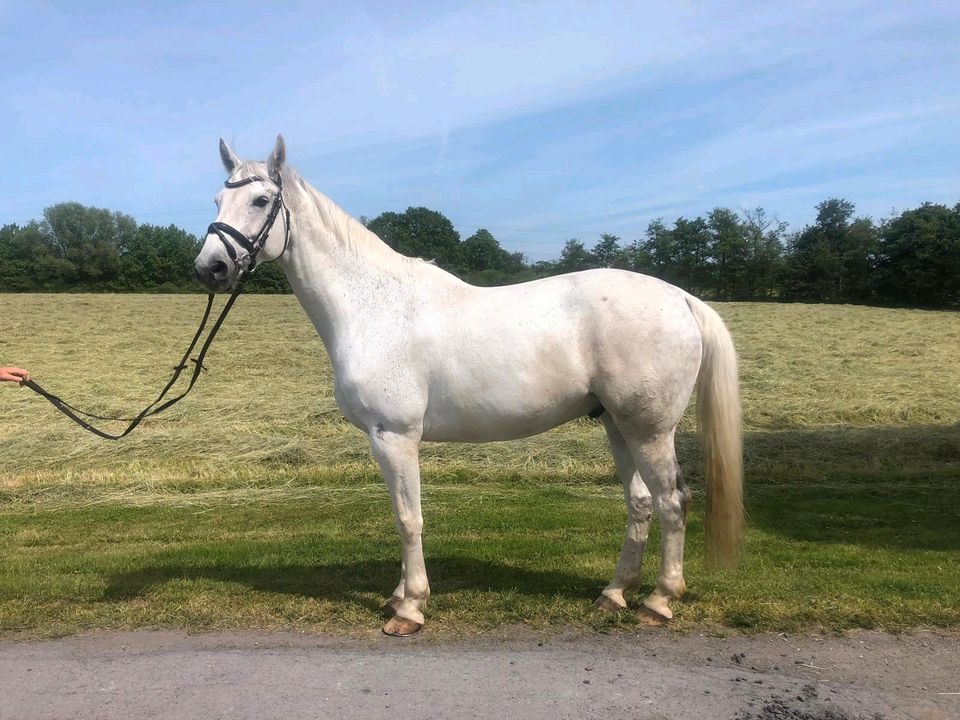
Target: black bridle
<point x="252" y="245"/>
<point x="244" y="266"/>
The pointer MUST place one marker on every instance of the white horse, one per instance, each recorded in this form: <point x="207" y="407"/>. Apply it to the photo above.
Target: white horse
<point x="418" y="354"/>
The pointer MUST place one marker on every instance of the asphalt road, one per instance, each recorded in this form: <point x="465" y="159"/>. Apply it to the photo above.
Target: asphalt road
<point x="653" y="674"/>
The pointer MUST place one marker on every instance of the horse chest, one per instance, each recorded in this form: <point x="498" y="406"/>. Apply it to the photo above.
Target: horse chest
<point x="384" y="392"/>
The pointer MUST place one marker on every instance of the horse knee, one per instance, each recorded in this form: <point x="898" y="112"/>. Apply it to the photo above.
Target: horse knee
<point x="409" y="526"/>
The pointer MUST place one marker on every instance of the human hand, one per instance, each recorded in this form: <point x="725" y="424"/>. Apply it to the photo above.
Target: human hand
<point x="13" y="374"/>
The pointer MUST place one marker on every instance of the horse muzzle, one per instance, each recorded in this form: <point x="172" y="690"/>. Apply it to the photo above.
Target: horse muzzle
<point x="216" y="274"/>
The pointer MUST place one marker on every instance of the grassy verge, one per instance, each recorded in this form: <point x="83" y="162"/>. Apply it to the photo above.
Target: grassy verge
<point x="253" y="505"/>
<point x="319" y="552"/>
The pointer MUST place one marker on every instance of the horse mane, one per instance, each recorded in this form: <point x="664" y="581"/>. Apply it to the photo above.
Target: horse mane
<point x="349" y="232"/>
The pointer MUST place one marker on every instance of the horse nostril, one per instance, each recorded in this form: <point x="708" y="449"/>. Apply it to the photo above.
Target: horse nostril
<point x="218" y="269"/>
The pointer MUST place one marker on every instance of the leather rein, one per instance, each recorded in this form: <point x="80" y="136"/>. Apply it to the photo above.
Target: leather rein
<point x="245" y="265"/>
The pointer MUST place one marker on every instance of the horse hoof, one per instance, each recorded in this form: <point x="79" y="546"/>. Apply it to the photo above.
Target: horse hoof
<point x="389" y="608"/>
<point x="401" y="627"/>
<point x="607" y="605"/>
<point x="651" y="617"/>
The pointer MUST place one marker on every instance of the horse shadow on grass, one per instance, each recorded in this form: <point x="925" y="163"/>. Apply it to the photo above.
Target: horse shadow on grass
<point x="896" y="488"/>
<point x="880" y="487"/>
<point x="366" y="582"/>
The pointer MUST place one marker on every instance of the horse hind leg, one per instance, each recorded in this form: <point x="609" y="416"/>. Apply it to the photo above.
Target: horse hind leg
<point x="639" y="510"/>
<point x="657" y="461"/>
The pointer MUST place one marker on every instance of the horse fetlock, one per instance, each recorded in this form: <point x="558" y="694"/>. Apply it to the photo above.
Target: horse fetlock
<point x="667" y="589"/>
<point x="389" y="608"/>
<point x="672" y="589"/>
<point x="611" y="601"/>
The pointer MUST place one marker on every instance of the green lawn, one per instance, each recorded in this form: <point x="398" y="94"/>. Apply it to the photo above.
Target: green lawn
<point x="252" y="504"/>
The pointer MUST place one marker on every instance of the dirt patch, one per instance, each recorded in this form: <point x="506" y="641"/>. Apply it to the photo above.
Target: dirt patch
<point x="653" y="674"/>
<point x="804" y="706"/>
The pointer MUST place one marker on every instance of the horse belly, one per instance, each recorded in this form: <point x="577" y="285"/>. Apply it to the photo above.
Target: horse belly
<point x="468" y="425"/>
<point x="504" y="405"/>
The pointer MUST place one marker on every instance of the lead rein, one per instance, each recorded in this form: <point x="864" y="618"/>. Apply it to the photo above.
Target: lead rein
<point x="74" y="413"/>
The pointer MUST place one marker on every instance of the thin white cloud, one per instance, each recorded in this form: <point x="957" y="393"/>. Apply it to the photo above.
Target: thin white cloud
<point x="393" y="105"/>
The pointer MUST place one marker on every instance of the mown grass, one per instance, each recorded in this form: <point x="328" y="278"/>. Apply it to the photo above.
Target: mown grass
<point x="252" y="504"/>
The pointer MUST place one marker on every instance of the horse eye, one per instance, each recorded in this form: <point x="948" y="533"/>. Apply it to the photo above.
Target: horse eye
<point x="261" y="201"/>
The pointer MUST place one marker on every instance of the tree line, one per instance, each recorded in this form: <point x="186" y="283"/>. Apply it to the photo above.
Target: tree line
<point x="911" y="259"/>
<point x="75" y="248"/>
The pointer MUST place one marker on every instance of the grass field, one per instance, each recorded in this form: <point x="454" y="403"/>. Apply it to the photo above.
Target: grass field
<point x="253" y="504"/>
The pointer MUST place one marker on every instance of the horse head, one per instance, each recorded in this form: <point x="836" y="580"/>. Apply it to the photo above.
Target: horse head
<point x="252" y="224"/>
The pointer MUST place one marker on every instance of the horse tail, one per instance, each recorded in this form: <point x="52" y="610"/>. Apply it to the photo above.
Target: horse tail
<point x="718" y="407"/>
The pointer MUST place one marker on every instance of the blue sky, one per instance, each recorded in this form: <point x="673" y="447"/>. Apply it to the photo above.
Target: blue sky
<point x="539" y="121"/>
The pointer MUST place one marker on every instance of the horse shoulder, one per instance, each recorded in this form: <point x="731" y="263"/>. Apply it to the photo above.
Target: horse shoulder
<point x="375" y="382"/>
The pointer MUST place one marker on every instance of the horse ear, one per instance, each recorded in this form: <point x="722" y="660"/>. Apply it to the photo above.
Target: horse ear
<point x="277" y="158"/>
<point x="228" y="156"/>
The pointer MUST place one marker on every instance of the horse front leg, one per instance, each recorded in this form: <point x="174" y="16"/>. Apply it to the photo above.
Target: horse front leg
<point x="398" y="455"/>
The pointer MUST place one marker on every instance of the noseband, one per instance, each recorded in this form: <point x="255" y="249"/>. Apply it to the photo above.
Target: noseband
<point x="254" y="245"/>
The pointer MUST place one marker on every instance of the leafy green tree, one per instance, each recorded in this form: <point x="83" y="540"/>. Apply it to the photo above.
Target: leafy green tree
<point x="16" y="258"/>
<point x="516" y="264"/>
<point x="765" y="242"/>
<point x="859" y="261"/>
<point x="545" y="268"/>
<point x="832" y="260"/>
<point x="89" y="238"/>
<point x="607" y="253"/>
<point x="729" y="255"/>
<point x="481" y="251"/>
<point x="745" y="255"/>
<point x="420" y="232"/>
<point x="656" y="253"/>
<point x="30" y="261"/>
<point x="158" y="257"/>
<point x="919" y="257"/>
<point x="691" y="240"/>
<point x="575" y="257"/>
<point x="636" y="257"/>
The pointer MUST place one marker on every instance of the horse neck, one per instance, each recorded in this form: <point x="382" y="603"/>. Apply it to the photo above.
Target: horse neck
<point x="341" y="272"/>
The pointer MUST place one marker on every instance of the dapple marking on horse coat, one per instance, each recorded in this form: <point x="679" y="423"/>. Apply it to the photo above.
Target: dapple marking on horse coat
<point x="418" y="354"/>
